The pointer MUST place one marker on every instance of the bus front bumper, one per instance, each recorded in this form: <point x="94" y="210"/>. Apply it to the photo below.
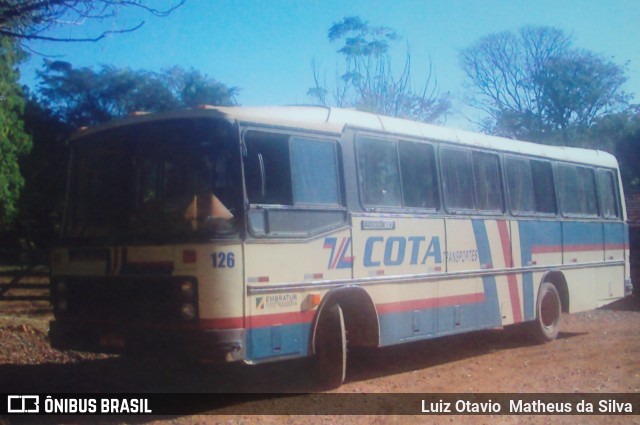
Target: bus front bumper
<point x="206" y="345"/>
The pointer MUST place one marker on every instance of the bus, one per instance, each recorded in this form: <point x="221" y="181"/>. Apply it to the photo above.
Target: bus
<point x="255" y="234"/>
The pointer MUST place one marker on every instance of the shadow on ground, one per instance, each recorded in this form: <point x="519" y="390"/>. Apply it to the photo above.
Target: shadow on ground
<point x="236" y="388"/>
<point x="631" y="303"/>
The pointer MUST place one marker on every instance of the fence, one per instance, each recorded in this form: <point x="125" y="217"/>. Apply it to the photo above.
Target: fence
<point x="25" y="281"/>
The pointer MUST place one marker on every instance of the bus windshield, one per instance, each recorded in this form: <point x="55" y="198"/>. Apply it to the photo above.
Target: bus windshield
<point x="175" y="179"/>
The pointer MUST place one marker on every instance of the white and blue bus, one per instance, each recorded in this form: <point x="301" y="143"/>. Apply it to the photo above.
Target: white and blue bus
<point x="261" y="234"/>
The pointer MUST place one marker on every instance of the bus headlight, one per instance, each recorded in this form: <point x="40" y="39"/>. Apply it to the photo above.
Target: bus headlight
<point x="188" y="311"/>
<point x="187" y="289"/>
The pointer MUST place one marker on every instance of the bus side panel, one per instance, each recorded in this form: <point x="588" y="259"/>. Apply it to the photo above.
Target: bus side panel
<point x="611" y="278"/>
<point x="582" y="250"/>
<point x="438" y="306"/>
<point x="540" y="245"/>
<point x="385" y="249"/>
<point x="279" y="320"/>
<point x="502" y="292"/>
<point x="467" y="253"/>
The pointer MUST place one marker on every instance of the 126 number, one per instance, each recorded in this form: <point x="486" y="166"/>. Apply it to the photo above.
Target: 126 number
<point x="223" y="260"/>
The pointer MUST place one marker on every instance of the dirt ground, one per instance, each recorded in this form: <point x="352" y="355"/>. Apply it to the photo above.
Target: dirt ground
<point x="596" y="352"/>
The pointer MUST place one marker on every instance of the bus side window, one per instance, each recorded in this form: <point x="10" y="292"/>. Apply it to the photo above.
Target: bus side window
<point x="608" y="194"/>
<point x="486" y="169"/>
<point x="577" y="190"/>
<point x="544" y="192"/>
<point x="315" y="172"/>
<point x="268" y="169"/>
<point x="378" y="172"/>
<point x="457" y="174"/>
<point x="419" y="175"/>
<point x="519" y="185"/>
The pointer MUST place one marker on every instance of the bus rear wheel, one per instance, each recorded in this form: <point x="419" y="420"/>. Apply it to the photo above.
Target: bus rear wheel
<point x="331" y="348"/>
<point x="548" y="312"/>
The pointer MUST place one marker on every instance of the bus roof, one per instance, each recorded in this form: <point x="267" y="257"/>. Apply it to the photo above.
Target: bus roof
<point x="336" y="120"/>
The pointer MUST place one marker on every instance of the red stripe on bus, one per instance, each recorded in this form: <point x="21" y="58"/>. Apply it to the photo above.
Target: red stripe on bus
<point x="511" y="278"/>
<point x="293" y="318"/>
<point x="338" y="254"/>
<point x="222" y="323"/>
<point x="281" y="319"/>
<point x="427" y="303"/>
<point x="550" y="249"/>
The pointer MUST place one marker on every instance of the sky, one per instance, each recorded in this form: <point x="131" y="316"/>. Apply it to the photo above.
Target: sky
<point x="266" y="48"/>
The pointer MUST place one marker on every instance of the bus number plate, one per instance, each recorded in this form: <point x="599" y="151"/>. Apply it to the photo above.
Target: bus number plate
<point x="223" y="260"/>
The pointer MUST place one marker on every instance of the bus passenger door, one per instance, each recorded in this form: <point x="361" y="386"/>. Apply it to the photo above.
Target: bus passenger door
<point x="280" y="278"/>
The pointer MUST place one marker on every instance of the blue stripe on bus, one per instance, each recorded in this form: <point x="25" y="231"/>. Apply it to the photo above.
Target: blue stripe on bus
<point x="277" y="341"/>
<point x="489" y="314"/>
<point x="535" y="233"/>
<point x="582" y="233"/>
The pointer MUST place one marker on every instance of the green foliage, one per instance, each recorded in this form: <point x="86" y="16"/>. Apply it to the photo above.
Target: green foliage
<point x="69" y="98"/>
<point x="368" y="82"/>
<point x="534" y="85"/>
<point x="579" y="88"/>
<point x="45" y="173"/>
<point x="190" y="88"/>
<point x="619" y="134"/>
<point x="14" y="142"/>
<point x="82" y="96"/>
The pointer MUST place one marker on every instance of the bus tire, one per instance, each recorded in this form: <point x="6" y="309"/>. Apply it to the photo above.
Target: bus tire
<point x="331" y="348"/>
<point x="548" y="312"/>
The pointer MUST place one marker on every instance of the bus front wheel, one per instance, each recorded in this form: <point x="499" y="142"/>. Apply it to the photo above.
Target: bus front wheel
<point x="331" y="347"/>
<point x="548" y="312"/>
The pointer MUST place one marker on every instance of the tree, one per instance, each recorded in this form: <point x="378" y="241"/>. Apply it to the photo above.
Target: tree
<point x="14" y="142"/>
<point x="368" y="82"/>
<point x="534" y="85"/>
<point x="579" y="88"/>
<point x="619" y="134"/>
<point x="190" y="88"/>
<point x="24" y="20"/>
<point x="69" y="98"/>
<point x="82" y="96"/>
<point x="628" y="153"/>
<point x="45" y="173"/>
